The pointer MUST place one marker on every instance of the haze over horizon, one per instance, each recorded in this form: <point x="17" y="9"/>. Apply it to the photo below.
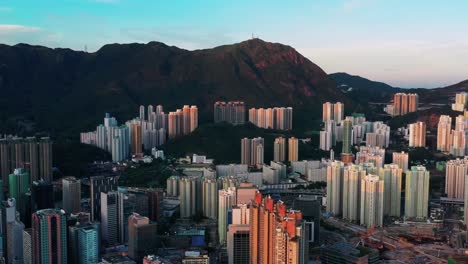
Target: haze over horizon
<point x="416" y="44"/>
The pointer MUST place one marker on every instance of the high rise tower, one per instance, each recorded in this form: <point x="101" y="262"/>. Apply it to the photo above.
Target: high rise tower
<point x="49" y="237"/>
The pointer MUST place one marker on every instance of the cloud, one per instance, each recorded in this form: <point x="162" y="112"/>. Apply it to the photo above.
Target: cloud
<point x="6" y="29"/>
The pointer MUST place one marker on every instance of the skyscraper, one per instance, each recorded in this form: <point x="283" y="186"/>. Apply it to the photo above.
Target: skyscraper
<point x="45" y="160"/>
<point x="327" y="112"/>
<point x="187" y="196"/>
<point x="136" y="142"/>
<point x="210" y="198"/>
<point x="417" y="192"/>
<point x="413" y="101"/>
<point x="252" y="151"/>
<point x="372" y="197"/>
<point x="88" y="245"/>
<point x="276" y="234"/>
<point x="186" y="119"/>
<point x="231" y="112"/>
<point x="84" y="242"/>
<point x="238" y="235"/>
<point x="110" y="217"/>
<point x="100" y="184"/>
<point x="141" y="236"/>
<point x="417" y="134"/>
<point x="401" y="159"/>
<point x="293" y="146"/>
<point x="352" y="177"/>
<point x="335" y="174"/>
<point x="461" y="99"/>
<point x="11" y="232"/>
<point x="279" y="118"/>
<point x="444" y="131"/>
<point x="142" y="112"/>
<point x="18" y="187"/>
<point x="34" y="155"/>
<point x="325" y="140"/>
<point x="49" y="237"/>
<point x="14" y="235"/>
<point x="338" y="112"/>
<point x="227" y="198"/>
<point x="193" y="118"/>
<point x="279" y="147"/>
<point x="347" y="135"/>
<point x="391" y="174"/>
<point x="71" y="195"/>
<point x="42" y="195"/>
<point x="456" y="172"/>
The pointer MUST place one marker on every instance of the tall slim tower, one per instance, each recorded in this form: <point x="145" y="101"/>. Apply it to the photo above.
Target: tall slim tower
<point x="142" y="112"/>
<point x="193" y="118"/>
<point x="45" y="159"/>
<point x="279" y="147"/>
<point x="335" y="175"/>
<point x="136" y="138"/>
<point x="417" y="134"/>
<point x="372" y="201"/>
<point x="71" y="195"/>
<point x="417" y="192"/>
<point x="401" y="159"/>
<point x="353" y="175"/>
<point x="210" y="199"/>
<point x="245" y="151"/>
<point x="347" y="135"/>
<point x="110" y="217"/>
<point x="338" y="112"/>
<point x="186" y="120"/>
<point x="293" y="146"/>
<point x="49" y="237"/>
<point x="18" y="187"/>
<point x="391" y="174"/>
<point x="100" y="184"/>
<point x="227" y="198"/>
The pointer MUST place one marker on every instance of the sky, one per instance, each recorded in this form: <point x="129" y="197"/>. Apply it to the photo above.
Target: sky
<point x="417" y="43"/>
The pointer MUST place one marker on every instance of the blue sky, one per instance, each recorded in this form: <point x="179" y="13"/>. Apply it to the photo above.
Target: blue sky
<point x="404" y="43"/>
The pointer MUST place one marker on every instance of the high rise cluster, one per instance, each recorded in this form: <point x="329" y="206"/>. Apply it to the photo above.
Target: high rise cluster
<point x="417" y="134"/>
<point x="365" y="194"/>
<point x="277" y="235"/>
<point x="252" y="151"/>
<point x="30" y="153"/>
<point x="280" y="148"/>
<point x="404" y="103"/>
<point x="279" y="118"/>
<point x="333" y="111"/>
<point x="149" y="130"/>
<point x="450" y="140"/>
<point x="352" y="130"/>
<point x="232" y="112"/>
<point x="461" y="99"/>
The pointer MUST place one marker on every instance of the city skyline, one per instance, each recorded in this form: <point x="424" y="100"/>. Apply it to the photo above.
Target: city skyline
<point x="334" y="34"/>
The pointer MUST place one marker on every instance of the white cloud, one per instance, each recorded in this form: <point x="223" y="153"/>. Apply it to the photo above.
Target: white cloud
<point x="13" y="29"/>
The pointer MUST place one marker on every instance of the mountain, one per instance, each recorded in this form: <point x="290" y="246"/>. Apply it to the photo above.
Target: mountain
<point x="63" y="92"/>
<point x="363" y="90"/>
<point x="443" y="95"/>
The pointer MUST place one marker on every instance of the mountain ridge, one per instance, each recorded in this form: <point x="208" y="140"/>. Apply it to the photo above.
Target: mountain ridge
<point x="61" y="90"/>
